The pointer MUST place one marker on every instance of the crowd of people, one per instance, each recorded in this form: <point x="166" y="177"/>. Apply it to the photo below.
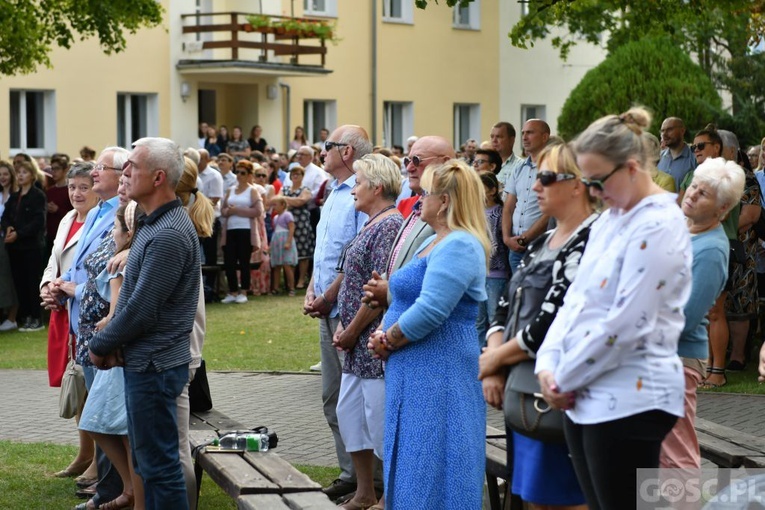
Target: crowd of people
<point x="576" y="262"/>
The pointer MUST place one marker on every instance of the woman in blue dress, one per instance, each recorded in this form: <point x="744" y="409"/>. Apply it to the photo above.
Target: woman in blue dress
<point x="435" y="417"/>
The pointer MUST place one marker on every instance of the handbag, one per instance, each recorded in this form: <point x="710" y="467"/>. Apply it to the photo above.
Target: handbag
<point x="526" y="412"/>
<point x="200" y="399"/>
<point x="73" y="389"/>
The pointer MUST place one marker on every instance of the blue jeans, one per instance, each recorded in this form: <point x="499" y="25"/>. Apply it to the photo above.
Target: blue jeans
<point x="487" y="309"/>
<point x="515" y="259"/>
<point x="153" y="432"/>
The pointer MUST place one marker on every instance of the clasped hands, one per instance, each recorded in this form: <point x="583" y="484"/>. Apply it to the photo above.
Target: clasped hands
<point x="111" y="360"/>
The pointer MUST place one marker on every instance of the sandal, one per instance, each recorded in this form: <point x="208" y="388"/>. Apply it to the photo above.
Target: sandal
<point x="707" y="384"/>
<point x="121" y="502"/>
<point x="74" y="469"/>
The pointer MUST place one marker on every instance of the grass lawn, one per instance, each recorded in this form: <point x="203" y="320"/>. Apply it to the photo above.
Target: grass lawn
<point x="26" y="481"/>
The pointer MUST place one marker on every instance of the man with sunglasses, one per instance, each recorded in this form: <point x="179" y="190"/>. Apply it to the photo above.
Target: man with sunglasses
<point x="522" y="221"/>
<point x="338" y="225"/>
<point x="677" y="159"/>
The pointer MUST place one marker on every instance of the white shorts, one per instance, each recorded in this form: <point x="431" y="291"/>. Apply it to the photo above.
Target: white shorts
<point x="361" y="413"/>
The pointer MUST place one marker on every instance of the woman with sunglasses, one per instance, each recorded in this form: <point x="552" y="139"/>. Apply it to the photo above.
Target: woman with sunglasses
<point x="610" y="356"/>
<point x="542" y="472"/>
<point x="241" y="207"/>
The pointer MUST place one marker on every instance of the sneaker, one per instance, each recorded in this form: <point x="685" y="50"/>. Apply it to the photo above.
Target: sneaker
<point x="25" y="326"/>
<point x="338" y="488"/>
<point x="316" y="367"/>
<point x="35" y="325"/>
<point x="8" y="325"/>
<point x="230" y="298"/>
<point x="241" y="298"/>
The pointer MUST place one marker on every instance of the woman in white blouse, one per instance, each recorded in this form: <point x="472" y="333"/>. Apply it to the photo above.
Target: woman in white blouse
<point x="610" y="357"/>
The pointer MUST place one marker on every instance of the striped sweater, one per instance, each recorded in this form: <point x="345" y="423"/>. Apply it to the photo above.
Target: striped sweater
<point x="155" y="312"/>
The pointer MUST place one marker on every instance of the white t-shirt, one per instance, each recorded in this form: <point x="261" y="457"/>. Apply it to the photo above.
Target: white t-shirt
<point x="212" y="186"/>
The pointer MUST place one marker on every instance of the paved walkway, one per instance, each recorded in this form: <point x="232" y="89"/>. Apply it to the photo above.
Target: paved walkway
<point x="287" y="403"/>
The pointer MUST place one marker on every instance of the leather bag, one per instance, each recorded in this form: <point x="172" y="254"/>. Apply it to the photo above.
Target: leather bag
<point x="73" y="389"/>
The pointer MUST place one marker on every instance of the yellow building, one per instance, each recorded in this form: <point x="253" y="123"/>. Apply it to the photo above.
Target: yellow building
<point x="396" y="70"/>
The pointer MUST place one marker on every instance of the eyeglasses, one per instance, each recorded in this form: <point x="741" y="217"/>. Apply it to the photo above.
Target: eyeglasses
<point x="261" y="175"/>
<point x="101" y="167"/>
<point x="479" y="162"/>
<point x="548" y="177"/>
<point x="598" y="184"/>
<point x="417" y="160"/>
<point x="239" y="172"/>
<point x="328" y="146"/>
<point x="700" y="146"/>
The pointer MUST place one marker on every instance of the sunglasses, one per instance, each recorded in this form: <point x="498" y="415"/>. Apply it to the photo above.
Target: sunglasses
<point x="599" y="184"/>
<point x="479" y="162"/>
<point x="239" y="172"/>
<point x="328" y="146"/>
<point x="261" y="175"/>
<point x="417" y="160"/>
<point x="700" y="146"/>
<point x="548" y="177"/>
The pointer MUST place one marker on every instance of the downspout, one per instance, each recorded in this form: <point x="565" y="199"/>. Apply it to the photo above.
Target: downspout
<point x="374" y="71"/>
<point x="287" y="95"/>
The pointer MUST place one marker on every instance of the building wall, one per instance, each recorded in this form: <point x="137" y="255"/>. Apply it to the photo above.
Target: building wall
<point x="538" y="76"/>
<point x="86" y="83"/>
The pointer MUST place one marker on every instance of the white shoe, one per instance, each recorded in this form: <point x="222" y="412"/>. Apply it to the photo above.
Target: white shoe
<point x="316" y="367"/>
<point x="8" y="325"/>
<point x="241" y="298"/>
<point x="228" y="299"/>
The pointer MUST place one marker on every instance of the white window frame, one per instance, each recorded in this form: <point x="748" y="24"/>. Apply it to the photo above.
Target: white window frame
<point x="48" y="121"/>
<point x="407" y="12"/>
<point x="329" y="11"/>
<point x="474" y="123"/>
<point x="539" y="112"/>
<point x="407" y="122"/>
<point x="474" y="16"/>
<point x="330" y="114"/>
<point x="152" y="117"/>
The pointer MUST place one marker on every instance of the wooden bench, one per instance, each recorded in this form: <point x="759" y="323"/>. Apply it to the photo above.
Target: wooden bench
<point x="496" y="467"/>
<point x="729" y="448"/>
<point x="255" y="480"/>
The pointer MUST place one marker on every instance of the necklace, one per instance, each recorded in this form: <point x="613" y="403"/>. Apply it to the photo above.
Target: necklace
<point x="373" y="218"/>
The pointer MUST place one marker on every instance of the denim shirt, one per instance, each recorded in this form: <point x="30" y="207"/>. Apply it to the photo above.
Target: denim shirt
<point x="338" y="225"/>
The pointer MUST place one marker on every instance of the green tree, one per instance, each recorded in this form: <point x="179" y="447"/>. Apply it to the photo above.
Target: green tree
<point x="651" y="72"/>
<point x="32" y="27"/>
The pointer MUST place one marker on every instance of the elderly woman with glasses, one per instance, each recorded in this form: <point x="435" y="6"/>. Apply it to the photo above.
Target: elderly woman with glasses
<point x="242" y="206"/>
<point x="610" y="356"/>
<point x="542" y="472"/>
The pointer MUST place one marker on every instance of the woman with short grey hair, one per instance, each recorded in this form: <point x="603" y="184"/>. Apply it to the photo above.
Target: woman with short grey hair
<point x="375" y="168"/>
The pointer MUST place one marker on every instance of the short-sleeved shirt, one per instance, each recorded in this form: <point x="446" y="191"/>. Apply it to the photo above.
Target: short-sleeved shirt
<point x="526" y="208"/>
<point x="677" y="167"/>
<point x="212" y="186"/>
<point x="505" y="173"/>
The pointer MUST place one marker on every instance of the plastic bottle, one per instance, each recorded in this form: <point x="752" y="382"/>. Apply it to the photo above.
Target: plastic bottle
<point x="250" y="442"/>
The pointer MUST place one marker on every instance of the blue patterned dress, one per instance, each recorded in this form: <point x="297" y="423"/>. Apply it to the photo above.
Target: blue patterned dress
<point x="435" y="415"/>
<point x="93" y="307"/>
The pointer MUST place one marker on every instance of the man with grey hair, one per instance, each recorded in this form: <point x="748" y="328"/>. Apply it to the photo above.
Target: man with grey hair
<point x="339" y="223"/>
<point x="154" y="318"/>
<point x="469" y="153"/>
<point x="677" y="159"/>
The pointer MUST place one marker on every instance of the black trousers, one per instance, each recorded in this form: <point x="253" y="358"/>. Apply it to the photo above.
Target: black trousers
<point x="210" y="245"/>
<point x="236" y="255"/>
<point x="607" y="455"/>
<point x="27" y="268"/>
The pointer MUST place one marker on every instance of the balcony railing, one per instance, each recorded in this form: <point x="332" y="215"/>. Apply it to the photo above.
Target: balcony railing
<point x="266" y="41"/>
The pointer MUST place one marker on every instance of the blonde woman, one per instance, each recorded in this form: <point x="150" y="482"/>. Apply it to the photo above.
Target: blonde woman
<point x="435" y="416"/>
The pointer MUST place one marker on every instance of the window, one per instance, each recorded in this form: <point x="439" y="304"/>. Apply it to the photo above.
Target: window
<point x="320" y="8"/>
<point x="468" y="17"/>
<point x="33" y="121"/>
<point x="398" y="123"/>
<point x="533" y="111"/>
<point x="317" y="115"/>
<point x="467" y="123"/>
<point x="137" y="116"/>
<point x="398" y="11"/>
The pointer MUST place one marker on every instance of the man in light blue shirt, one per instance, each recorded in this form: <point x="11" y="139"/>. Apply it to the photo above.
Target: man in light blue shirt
<point x="522" y="221"/>
<point x="677" y="159"/>
<point x="338" y="225"/>
<point x="502" y="141"/>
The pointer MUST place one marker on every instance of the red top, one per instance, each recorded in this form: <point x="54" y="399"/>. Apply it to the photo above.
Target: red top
<point x="76" y="226"/>
<point x="277" y="184"/>
<point x="59" y="195"/>
<point x="406" y="205"/>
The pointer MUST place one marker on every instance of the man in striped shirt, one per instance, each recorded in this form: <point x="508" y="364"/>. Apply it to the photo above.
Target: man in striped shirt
<point x="154" y="318"/>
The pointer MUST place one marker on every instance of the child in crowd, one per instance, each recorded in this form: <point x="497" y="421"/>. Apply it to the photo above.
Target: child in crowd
<point x="283" y="250"/>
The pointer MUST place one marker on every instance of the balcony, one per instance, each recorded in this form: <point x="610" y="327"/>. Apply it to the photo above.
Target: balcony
<point x="226" y="42"/>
